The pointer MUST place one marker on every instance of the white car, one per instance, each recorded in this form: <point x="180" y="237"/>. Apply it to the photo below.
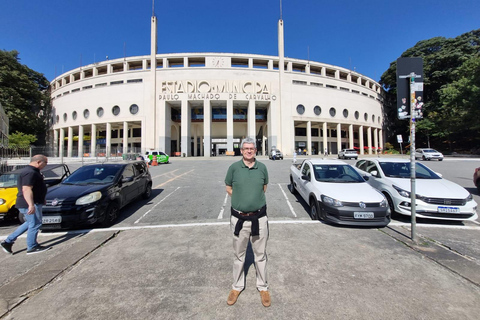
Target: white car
<point x="428" y="154"/>
<point x="436" y="198"/>
<point x="336" y="193"/>
<point x="348" y="154"/>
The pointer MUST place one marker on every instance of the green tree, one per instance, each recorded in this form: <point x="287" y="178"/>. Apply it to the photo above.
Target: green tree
<point x="20" y="139"/>
<point x="450" y="70"/>
<point x="24" y="94"/>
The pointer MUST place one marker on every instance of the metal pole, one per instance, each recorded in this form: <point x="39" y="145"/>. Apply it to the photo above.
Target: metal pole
<point x="412" y="157"/>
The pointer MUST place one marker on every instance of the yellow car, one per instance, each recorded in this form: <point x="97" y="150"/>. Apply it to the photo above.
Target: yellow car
<point x="52" y="173"/>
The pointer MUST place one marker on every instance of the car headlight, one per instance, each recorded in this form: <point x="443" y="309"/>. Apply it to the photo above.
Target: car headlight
<point x="402" y="192"/>
<point x="383" y="204"/>
<point x="89" y="198"/>
<point x="469" y="198"/>
<point x="2" y="201"/>
<point x="331" y="202"/>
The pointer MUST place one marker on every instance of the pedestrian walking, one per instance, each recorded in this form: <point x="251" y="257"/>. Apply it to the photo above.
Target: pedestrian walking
<point x="30" y="199"/>
<point x="246" y="182"/>
<point x="325" y="153"/>
<point x="274" y="154"/>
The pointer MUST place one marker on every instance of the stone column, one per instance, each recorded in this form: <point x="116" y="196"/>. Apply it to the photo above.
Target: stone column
<point x="93" y="140"/>
<point x="350" y="137"/>
<point x="207" y="129"/>
<point x="70" y="142"/>
<point x="339" y="137"/>
<point x="309" y="137"/>
<point x="62" y="142"/>
<point x="80" y="141"/>
<point x="108" y="140"/>
<point x="185" y="128"/>
<point x="230" y="128"/>
<point x="360" y="138"/>
<point x="325" y="137"/>
<point x="375" y="140"/>
<point x="55" y="142"/>
<point x="125" y="137"/>
<point x="251" y="119"/>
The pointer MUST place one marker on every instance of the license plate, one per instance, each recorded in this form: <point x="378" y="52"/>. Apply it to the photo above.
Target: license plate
<point x="448" y="210"/>
<point x="363" y="215"/>
<point x="48" y="220"/>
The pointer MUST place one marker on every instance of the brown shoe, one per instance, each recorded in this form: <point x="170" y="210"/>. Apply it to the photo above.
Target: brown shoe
<point x="232" y="297"/>
<point x="266" y="301"/>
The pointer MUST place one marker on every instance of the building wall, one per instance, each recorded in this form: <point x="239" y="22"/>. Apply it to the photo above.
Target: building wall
<point x="127" y="82"/>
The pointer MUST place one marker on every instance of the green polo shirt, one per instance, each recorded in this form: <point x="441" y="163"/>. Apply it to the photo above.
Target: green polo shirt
<point x="247" y="185"/>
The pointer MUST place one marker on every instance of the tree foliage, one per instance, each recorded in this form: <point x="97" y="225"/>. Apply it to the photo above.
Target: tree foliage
<point x="451" y="91"/>
<point x="20" y="139"/>
<point x="24" y="96"/>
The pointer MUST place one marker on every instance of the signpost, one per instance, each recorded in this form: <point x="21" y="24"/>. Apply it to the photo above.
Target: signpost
<point x="415" y="67"/>
<point x="400" y="141"/>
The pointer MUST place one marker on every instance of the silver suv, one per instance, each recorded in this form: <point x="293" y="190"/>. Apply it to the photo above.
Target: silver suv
<point x="348" y="154"/>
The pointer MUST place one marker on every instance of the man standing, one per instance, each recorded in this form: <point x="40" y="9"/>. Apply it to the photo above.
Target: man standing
<point x="246" y="182"/>
<point x="30" y="199"/>
<point x="274" y="154"/>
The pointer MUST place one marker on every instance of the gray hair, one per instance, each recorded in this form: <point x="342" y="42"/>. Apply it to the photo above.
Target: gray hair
<point x="248" y="140"/>
<point x="38" y="157"/>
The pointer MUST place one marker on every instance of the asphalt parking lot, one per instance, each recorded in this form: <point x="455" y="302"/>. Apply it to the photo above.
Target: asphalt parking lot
<point x="170" y="257"/>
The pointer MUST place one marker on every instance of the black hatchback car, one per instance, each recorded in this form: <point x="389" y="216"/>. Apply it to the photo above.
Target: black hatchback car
<point x="95" y="193"/>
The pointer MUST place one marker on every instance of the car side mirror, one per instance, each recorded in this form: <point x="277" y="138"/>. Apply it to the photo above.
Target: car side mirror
<point x="374" y="173"/>
<point x="127" y="179"/>
<point x="366" y="177"/>
<point x="439" y="174"/>
<point x="307" y="178"/>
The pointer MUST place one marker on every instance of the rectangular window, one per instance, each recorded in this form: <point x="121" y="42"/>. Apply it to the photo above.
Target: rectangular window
<point x="301" y="132"/>
<point x="87" y="87"/>
<point x="303" y="83"/>
<point x="134" y="80"/>
<point x="116" y="82"/>
<point x="101" y="84"/>
<point x="315" y="132"/>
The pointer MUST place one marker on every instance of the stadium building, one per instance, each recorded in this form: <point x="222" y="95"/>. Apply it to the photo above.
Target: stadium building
<point x="203" y="104"/>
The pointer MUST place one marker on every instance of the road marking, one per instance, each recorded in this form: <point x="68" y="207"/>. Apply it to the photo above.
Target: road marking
<point x="288" y="202"/>
<point x="176" y="177"/>
<point x="199" y="224"/>
<point x="163" y="174"/>
<point x="220" y="216"/>
<point x="138" y="220"/>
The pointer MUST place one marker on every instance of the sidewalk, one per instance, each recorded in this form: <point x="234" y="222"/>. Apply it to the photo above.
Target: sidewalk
<point x="316" y="271"/>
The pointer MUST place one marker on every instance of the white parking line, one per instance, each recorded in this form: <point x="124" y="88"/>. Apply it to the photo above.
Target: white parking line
<point x="138" y="220"/>
<point x="220" y="215"/>
<point x="176" y="177"/>
<point x="288" y="202"/>
<point x="186" y="225"/>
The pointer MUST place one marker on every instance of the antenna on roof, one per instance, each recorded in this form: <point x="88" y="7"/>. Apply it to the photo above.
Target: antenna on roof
<point x="280" y="9"/>
<point x="153" y="8"/>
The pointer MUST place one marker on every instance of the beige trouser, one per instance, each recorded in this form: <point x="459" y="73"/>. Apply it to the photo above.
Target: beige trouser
<point x="259" y="246"/>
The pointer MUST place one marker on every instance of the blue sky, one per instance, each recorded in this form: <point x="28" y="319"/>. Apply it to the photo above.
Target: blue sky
<point x="54" y="36"/>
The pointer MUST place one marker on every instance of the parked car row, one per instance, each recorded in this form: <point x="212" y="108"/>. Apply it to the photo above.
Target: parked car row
<point x="374" y="190"/>
<point x="93" y="194"/>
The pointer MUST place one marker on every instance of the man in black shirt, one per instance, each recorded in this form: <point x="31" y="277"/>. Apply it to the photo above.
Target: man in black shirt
<point x="30" y="199"/>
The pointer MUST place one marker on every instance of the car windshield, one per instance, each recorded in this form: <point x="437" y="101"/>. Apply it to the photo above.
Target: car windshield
<point x="336" y="173"/>
<point x="402" y="170"/>
<point x="8" y="180"/>
<point x="93" y="175"/>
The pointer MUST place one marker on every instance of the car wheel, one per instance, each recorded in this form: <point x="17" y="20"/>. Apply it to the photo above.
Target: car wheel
<point x="393" y="214"/>
<point x="111" y="215"/>
<point x="314" y="212"/>
<point x="148" y="191"/>
<point x="423" y="158"/>
<point x="291" y="187"/>
<point x="21" y="217"/>
<point x="440" y="159"/>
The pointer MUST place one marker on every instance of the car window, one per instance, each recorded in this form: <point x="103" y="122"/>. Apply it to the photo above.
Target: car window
<point x="306" y="170"/>
<point x="128" y="172"/>
<point x="372" y="168"/>
<point x="8" y="180"/>
<point x="95" y="174"/>
<point x="139" y="167"/>
<point x="361" y="165"/>
<point x="337" y="174"/>
<point x="402" y="170"/>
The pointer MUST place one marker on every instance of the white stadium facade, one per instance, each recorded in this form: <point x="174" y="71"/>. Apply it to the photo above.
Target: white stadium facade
<point x="203" y="104"/>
